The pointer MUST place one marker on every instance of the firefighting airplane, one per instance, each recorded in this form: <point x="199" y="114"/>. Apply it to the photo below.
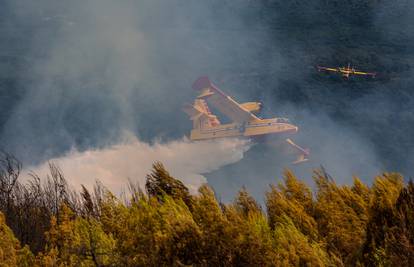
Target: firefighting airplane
<point x="347" y="71"/>
<point x="244" y="122"/>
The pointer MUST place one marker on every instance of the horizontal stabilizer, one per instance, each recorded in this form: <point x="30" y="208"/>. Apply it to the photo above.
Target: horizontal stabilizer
<point x="196" y="113"/>
<point x="191" y="110"/>
<point x="199" y="112"/>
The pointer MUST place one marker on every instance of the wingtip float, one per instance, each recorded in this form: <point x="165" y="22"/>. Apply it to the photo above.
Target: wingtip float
<point x="244" y="123"/>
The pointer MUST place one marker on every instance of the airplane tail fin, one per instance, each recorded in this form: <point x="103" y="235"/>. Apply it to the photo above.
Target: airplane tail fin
<point x="201" y="83"/>
<point x="206" y="87"/>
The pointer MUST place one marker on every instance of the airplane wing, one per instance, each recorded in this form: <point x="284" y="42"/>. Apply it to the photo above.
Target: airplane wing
<point x="222" y="102"/>
<point x="328" y="69"/>
<point x="364" y="73"/>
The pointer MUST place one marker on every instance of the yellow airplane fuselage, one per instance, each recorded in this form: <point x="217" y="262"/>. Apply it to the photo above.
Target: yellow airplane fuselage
<point x="254" y="129"/>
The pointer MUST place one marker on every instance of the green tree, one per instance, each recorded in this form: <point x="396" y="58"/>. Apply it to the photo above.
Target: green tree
<point x="11" y="254"/>
<point x="389" y="240"/>
<point x="292" y="199"/>
<point x="295" y="249"/>
<point x="218" y="234"/>
<point x="254" y="235"/>
<point x="160" y="182"/>
<point x="76" y="241"/>
<point x="341" y="214"/>
<point x="157" y="233"/>
<point x="246" y="204"/>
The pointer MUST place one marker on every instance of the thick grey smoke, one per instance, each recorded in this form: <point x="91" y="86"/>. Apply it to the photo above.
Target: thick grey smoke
<point x="97" y="68"/>
<point x="395" y="22"/>
<point x="101" y="68"/>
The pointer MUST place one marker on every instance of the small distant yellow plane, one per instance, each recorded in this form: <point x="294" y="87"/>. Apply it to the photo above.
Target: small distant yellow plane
<point x="347" y="71"/>
<point x="244" y="122"/>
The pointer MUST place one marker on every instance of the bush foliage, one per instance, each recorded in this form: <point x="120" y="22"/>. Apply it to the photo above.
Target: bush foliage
<point x="47" y="224"/>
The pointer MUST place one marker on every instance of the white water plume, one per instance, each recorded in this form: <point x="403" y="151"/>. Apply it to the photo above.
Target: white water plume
<point x="133" y="159"/>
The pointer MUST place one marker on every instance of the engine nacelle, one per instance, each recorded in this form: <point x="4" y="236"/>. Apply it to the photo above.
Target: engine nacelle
<point x="252" y="106"/>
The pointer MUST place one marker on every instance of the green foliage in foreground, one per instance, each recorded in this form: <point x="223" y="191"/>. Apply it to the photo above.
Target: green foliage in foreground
<point x="349" y="225"/>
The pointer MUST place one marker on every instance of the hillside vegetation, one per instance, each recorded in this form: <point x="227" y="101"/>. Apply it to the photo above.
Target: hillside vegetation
<point x="48" y="224"/>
